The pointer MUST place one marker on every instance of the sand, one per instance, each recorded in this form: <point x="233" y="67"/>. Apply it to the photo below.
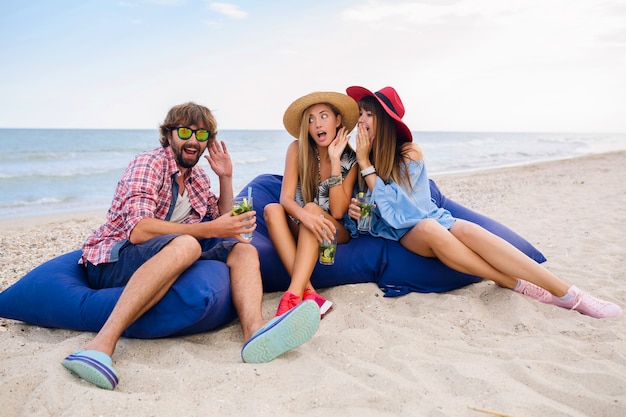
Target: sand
<point x="479" y="347"/>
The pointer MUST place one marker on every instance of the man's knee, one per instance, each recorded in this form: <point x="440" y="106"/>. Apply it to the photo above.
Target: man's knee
<point x="243" y="254"/>
<point x="186" y="247"/>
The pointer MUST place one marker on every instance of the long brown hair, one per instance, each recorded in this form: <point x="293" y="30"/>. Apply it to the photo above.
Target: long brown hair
<point x="386" y="153"/>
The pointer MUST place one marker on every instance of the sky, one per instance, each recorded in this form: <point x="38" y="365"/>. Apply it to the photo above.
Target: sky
<point x="459" y="65"/>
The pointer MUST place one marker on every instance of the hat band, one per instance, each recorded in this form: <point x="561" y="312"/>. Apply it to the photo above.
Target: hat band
<point x="385" y="100"/>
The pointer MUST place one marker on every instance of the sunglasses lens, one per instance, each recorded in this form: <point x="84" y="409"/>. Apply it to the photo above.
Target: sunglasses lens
<point x="202" y="135"/>
<point x="184" y="132"/>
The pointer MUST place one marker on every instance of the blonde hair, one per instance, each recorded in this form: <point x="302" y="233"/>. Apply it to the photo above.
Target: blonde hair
<point x="307" y="163"/>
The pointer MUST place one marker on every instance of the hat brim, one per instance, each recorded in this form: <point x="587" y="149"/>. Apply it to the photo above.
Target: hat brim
<point x="403" y="131"/>
<point x="346" y="106"/>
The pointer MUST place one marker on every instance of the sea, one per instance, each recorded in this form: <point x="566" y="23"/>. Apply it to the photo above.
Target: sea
<point x="47" y="171"/>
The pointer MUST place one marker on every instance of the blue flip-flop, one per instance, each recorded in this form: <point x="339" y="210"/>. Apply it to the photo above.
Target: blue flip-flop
<point x="283" y="333"/>
<point x="93" y="366"/>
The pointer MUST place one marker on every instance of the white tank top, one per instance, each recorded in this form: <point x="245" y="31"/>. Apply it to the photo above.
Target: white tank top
<point x="182" y="208"/>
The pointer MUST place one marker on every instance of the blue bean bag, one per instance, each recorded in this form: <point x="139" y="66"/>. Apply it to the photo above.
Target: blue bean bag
<point x="56" y="293"/>
<point x="368" y="259"/>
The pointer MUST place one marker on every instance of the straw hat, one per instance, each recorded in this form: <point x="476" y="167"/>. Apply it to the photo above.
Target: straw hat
<point x="390" y="100"/>
<point x="347" y="108"/>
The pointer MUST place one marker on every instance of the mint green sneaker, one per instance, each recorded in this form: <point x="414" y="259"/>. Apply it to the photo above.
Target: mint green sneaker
<point x="283" y="333"/>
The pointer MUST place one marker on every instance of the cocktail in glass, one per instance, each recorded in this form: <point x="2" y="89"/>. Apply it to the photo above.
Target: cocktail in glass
<point x="328" y="248"/>
<point x="364" y="203"/>
<point x="242" y="205"/>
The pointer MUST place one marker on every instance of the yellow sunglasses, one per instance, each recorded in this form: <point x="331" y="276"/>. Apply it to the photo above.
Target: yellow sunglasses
<point x="202" y="135"/>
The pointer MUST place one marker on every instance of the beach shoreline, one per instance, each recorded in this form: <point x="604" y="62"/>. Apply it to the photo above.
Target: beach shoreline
<point x="480" y="346"/>
<point x="79" y="169"/>
<point x="30" y="219"/>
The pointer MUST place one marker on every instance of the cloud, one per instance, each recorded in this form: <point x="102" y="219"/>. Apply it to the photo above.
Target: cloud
<point x="616" y="38"/>
<point x="375" y="11"/>
<point x="230" y="10"/>
<point x="287" y="51"/>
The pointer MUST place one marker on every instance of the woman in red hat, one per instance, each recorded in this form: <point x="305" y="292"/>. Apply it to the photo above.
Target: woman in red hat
<point x="392" y="169"/>
<point x="320" y="173"/>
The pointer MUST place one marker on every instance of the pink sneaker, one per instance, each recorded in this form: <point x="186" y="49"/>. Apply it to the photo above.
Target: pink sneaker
<point x="587" y="304"/>
<point x="289" y="301"/>
<point x="534" y="291"/>
<point x="322" y="302"/>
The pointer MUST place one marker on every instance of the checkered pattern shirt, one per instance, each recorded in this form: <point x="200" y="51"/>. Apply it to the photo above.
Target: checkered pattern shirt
<point x="145" y="191"/>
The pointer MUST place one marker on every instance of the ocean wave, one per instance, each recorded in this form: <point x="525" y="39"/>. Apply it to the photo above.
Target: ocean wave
<point x="482" y="141"/>
<point x="26" y="156"/>
<point x="249" y="161"/>
<point x="38" y="202"/>
<point x="75" y="169"/>
<point x="51" y="174"/>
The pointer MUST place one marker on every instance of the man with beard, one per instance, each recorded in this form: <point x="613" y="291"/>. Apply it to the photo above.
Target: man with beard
<point x="163" y="218"/>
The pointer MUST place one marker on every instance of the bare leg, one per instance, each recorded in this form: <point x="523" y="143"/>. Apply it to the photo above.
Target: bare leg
<point x="308" y="250"/>
<point x="145" y="288"/>
<point x="281" y="235"/>
<point x="471" y="249"/>
<point x="507" y="258"/>
<point x="246" y="287"/>
<point x="263" y="342"/>
<point x="298" y="258"/>
<point x="306" y="256"/>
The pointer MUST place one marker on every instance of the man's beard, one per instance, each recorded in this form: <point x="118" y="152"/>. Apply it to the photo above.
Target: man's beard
<point x="188" y="162"/>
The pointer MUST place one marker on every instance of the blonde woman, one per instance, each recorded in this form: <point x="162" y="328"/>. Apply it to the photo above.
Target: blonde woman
<point x="320" y="172"/>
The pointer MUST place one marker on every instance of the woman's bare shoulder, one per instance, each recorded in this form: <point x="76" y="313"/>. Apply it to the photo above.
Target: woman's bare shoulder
<point x="412" y="152"/>
<point x="292" y="149"/>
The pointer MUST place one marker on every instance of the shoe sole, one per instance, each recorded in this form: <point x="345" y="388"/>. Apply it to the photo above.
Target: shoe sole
<point x="283" y="333"/>
<point x="327" y="305"/>
<point x="91" y="369"/>
<point x="322" y="302"/>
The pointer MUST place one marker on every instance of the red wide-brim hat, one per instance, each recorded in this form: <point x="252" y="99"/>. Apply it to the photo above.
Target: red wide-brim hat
<point x="390" y="100"/>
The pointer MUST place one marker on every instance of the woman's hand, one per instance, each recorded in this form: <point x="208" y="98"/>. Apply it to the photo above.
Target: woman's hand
<point x="320" y="226"/>
<point x="337" y="146"/>
<point x="363" y="147"/>
<point x="354" y="211"/>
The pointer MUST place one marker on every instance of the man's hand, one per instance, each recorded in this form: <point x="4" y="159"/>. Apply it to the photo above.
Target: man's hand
<point x="219" y="159"/>
<point x="229" y="225"/>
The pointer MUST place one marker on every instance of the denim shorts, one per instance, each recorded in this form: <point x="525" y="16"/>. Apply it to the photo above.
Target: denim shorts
<point x="132" y="257"/>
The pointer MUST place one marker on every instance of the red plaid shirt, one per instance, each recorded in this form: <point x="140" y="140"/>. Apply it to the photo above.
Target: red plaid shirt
<point x="145" y="191"/>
